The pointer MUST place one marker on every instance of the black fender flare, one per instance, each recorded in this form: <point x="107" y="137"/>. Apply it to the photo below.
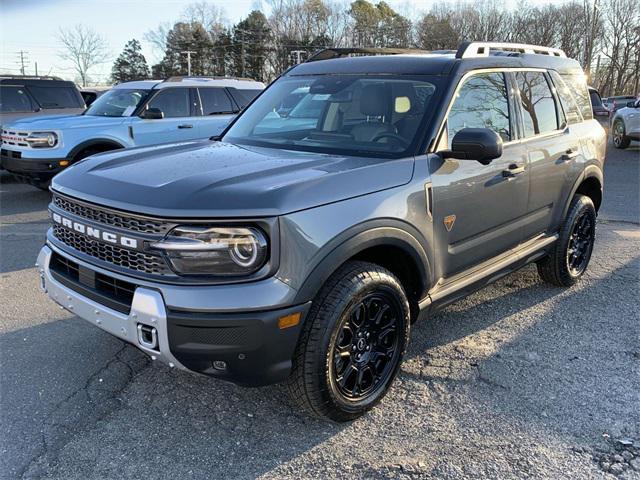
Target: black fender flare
<point x="91" y="143"/>
<point x="590" y="171"/>
<point x="369" y="234"/>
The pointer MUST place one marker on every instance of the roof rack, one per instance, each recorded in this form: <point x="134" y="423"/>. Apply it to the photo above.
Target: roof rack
<point x="180" y="78"/>
<point x="329" y="53"/>
<point x="483" y="49"/>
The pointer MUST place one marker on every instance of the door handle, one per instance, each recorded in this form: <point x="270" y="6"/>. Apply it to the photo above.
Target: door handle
<point x="185" y="125"/>
<point x="569" y="154"/>
<point x="513" y="170"/>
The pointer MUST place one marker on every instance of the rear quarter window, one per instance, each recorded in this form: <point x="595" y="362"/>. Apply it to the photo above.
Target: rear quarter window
<point x="577" y="84"/>
<point x="569" y="105"/>
<point x="56" y="97"/>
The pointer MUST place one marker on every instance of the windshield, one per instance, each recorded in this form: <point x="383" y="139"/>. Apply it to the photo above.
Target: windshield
<point x="119" y="102"/>
<point x="344" y="114"/>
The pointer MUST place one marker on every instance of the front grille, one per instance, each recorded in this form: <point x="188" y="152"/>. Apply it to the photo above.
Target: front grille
<point x="10" y="154"/>
<point x="139" y="261"/>
<point x="110" y="218"/>
<point x="108" y="291"/>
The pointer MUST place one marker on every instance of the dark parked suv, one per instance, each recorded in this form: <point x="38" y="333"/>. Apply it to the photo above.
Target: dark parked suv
<point x="300" y="248"/>
<point x="30" y="96"/>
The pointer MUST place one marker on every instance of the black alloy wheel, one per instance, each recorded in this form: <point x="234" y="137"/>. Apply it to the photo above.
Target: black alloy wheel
<point x="366" y="346"/>
<point x="581" y="244"/>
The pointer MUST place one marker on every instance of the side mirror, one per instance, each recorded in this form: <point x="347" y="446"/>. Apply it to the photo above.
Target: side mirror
<point x="480" y="144"/>
<point x="152" y="114"/>
<point x="633" y="104"/>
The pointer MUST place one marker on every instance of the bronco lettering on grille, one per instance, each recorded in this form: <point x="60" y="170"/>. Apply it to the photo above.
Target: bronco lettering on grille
<point x="108" y="237"/>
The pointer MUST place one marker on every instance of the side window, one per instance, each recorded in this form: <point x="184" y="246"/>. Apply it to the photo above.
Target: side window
<point x="215" y="101"/>
<point x="577" y="84"/>
<point x="56" y="97"/>
<point x="539" y="113"/>
<point x="569" y="105"/>
<point x="482" y="102"/>
<point x="174" y="102"/>
<point x="15" y="99"/>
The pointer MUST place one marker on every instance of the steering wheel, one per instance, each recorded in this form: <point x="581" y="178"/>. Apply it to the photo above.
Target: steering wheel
<point x="393" y="136"/>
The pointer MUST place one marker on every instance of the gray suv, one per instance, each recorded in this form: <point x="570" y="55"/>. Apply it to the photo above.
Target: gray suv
<point x="300" y="246"/>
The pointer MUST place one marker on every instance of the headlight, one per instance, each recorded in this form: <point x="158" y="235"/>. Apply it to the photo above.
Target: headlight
<point x="42" y="139"/>
<point x="223" y="251"/>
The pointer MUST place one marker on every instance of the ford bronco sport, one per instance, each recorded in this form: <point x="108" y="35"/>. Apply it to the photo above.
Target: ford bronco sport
<point x="302" y="251"/>
<point x="145" y="112"/>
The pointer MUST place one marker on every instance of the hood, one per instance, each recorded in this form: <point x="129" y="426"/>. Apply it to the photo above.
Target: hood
<point x="207" y="179"/>
<point x="61" y="122"/>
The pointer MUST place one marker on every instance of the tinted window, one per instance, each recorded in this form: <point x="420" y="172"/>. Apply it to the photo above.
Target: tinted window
<point x="482" y="102"/>
<point x="215" y="100"/>
<point x="173" y="102"/>
<point x="56" y="97"/>
<point x="15" y="99"/>
<point x="243" y="97"/>
<point x="538" y="106"/>
<point x="578" y="86"/>
<point x="569" y="105"/>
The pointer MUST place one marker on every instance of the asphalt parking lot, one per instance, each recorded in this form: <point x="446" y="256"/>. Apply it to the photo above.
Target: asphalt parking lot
<point x="521" y="379"/>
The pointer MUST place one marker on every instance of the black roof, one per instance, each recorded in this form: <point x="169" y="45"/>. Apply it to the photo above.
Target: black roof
<point x="35" y="81"/>
<point x="431" y="64"/>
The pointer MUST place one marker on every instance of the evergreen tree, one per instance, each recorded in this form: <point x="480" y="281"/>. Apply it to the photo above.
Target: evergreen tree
<point x="131" y="64"/>
<point x="184" y="37"/>
<point x="251" y="37"/>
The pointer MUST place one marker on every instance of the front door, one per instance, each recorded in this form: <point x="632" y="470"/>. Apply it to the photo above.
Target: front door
<point x="478" y="209"/>
<point x="178" y="123"/>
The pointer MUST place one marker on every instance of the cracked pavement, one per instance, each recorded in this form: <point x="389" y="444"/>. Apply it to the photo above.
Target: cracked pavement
<point x="520" y="379"/>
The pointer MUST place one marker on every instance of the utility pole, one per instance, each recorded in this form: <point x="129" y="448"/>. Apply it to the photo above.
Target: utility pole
<point x="298" y="54"/>
<point x="23" y="59"/>
<point x="188" y="54"/>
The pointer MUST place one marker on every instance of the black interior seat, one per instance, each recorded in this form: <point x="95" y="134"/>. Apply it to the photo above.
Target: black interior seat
<point x="374" y="103"/>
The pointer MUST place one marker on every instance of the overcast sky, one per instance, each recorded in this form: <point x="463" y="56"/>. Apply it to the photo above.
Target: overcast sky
<point x="31" y="26"/>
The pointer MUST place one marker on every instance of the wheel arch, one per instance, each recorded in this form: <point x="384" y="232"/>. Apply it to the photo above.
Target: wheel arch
<point x="95" y="142"/>
<point x="390" y="246"/>
<point x="590" y="184"/>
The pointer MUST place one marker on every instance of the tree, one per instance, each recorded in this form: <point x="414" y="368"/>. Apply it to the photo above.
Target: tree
<point x="131" y="64"/>
<point x="84" y="48"/>
<point x="436" y="33"/>
<point x="186" y="37"/>
<point x="250" y="51"/>
<point x="379" y="25"/>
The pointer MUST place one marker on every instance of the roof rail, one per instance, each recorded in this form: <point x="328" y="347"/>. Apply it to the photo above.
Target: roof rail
<point x="180" y="78"/>
<point x="328" y="53"/>
<point x="483" y="49"/>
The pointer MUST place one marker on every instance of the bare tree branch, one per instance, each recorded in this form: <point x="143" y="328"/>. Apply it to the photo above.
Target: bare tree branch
<point x="84" y="48"/>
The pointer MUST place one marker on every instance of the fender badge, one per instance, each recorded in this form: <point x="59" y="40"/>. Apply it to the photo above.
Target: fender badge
<point x="449" y="220"/>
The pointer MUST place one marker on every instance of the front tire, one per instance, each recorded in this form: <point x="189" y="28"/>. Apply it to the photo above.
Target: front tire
<point x="620" y="139"/>
<point x="571" y="253"/>
<point x="352" y="343"/>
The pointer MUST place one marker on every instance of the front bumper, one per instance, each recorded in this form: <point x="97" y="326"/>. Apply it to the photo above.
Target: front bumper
<point x="247" y="348"/>
<point x="37" y="168"/>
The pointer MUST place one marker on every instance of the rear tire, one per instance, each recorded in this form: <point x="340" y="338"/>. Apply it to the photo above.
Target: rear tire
<point x="571" y="253"/>
<point x="352" y="343"/>
<point x="620" y="139"/>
